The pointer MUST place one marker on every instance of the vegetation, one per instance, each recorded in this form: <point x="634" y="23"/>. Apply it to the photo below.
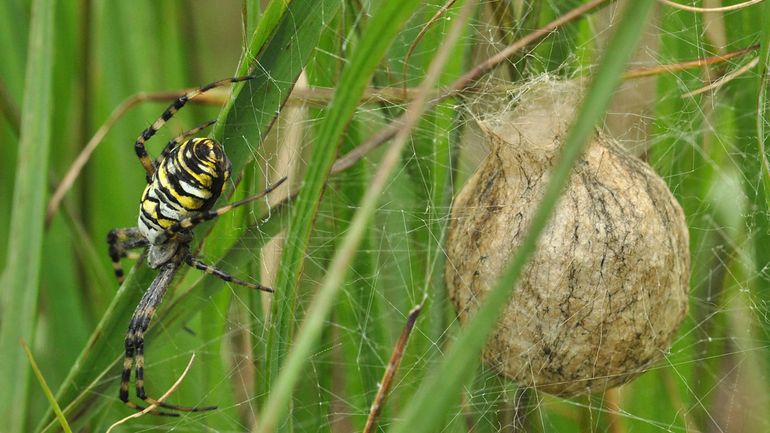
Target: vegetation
<point x="351" y="247"/>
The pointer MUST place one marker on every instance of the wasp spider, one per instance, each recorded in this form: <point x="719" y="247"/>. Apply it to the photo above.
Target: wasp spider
<point x="183" y="184"/>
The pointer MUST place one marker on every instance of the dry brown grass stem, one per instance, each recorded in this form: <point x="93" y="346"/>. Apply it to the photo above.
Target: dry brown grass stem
<point x="678" y="67"/>
<point x="161" y="399"/>
<point x="390" y="371"/>
<point x="724" y="79"/>
<point x="702" y="10"/>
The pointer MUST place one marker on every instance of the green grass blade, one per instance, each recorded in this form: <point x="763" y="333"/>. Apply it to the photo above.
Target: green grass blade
<point x="46" y="390"/>
<point x="382" y="28"/>
<point x="253" y="111"/>
<point x="379" y="33"/>
<point x="22" y="272"/>
<point x="440" y="390"/>
<point x="375" y="40"/>
<point x="268" y="22"/>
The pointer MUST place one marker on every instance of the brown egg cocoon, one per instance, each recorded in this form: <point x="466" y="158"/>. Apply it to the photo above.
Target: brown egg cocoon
<point x="606" y="288"/>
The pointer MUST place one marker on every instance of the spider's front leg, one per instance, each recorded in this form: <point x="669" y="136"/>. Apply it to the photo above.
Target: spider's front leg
<point x="197" y="264"/>
<point x="139" y="148"/>
<point x="134" y="344"/>
<point x="119" y="241"/>
<point x="190" y="222"/>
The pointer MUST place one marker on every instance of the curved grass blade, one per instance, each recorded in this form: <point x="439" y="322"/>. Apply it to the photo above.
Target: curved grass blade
<point x="375" y="41"/>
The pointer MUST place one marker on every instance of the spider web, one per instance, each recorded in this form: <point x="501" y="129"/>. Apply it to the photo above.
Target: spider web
<point x="714" y="376"/>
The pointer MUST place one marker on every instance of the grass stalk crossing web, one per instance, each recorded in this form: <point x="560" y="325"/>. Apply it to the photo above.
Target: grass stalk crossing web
<point x="335" y="83"/>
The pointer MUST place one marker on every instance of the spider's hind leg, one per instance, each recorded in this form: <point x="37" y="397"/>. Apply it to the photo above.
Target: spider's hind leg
<point x="126" y="378"/>
<point x="134" y="344"/>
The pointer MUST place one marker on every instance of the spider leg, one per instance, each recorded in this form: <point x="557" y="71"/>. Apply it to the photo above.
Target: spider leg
<point x="197" y="264"/>
<point x="120" y="240"/>
<point x="134" y="344"/>
<point x="125" y="378"/>
<point x="173" y="143"/>
<point x="175" y="106"/>
<point x="188" y="223"/>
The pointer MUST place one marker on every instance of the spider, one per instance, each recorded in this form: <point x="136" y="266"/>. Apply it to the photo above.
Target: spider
<point x="183" y="184"/>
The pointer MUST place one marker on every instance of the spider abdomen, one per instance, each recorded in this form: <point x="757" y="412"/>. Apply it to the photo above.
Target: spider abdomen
<point x="187" y="181"/>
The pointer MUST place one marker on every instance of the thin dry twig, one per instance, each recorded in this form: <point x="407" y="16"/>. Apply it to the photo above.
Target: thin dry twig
<point x="433" y="20"/>
<point x="719" y="9"/>
<point x="162" y="398"/>
<point x="724" y="79"/>
<point x="677" y="67"/>
<point x="390" y="371"/>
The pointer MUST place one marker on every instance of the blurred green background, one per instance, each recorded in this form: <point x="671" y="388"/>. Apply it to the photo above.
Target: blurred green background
<point x="67" y="65"/>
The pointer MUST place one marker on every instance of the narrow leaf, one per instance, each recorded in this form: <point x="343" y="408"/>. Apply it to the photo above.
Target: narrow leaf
<point x="21" y="278"/>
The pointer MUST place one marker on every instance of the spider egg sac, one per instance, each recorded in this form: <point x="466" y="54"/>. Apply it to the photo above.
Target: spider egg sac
<point x="604" y="292"/>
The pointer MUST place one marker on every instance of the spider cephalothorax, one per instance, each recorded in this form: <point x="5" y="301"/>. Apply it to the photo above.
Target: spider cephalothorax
<point x="183" y="184"/>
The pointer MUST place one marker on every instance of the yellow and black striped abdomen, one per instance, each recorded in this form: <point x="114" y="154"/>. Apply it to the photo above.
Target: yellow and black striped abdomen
<point x="188" y="181"/>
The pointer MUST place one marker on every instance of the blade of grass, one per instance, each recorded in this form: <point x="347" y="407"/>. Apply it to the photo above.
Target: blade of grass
<point x="382" y="28"/>
<point x="272" y="25"/>
<point x="13" y="38"/>
<point x="46" y="390"/>
<point x="252" y="112"/>
<point x="22" y="272"/>
<point x="375" y="41"/>
<point x="360" y="327"/>
<point x="430" y="405"/>
<point x="284" y="40"/>
<point x="267" y="24"/>
<point x="359" y="313"/>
